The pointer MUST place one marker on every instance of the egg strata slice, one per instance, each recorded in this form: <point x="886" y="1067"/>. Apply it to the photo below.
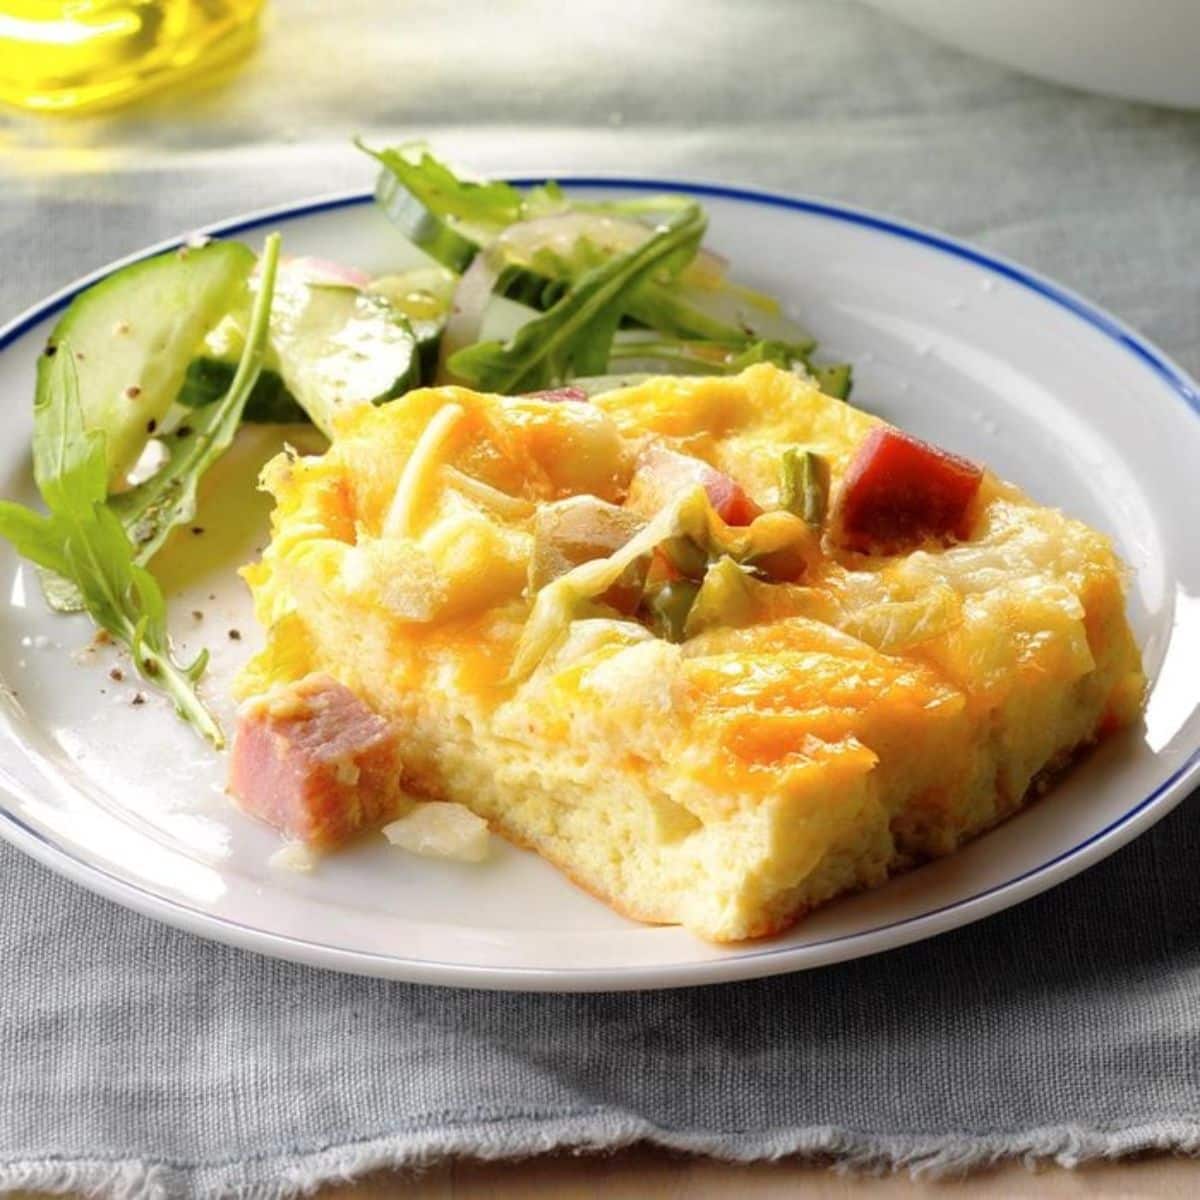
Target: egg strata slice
<point x="639" y="636"/>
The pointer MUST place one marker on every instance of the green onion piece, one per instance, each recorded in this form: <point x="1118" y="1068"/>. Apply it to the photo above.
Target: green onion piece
<point x="687" y="556"/>
<point x="804" y="485"/>
<point x="670" y="605"/>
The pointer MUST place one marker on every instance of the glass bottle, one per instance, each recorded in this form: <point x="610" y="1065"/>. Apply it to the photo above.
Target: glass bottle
<point x="79" y="55"/>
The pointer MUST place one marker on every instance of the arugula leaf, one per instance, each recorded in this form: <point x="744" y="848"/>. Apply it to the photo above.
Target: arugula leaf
<point x="82" y="539"/>
<point x="493" y="203"/>
<point x="168" y="498"/>
<point x="575" y="335"/>
<point x="33" y="536"/>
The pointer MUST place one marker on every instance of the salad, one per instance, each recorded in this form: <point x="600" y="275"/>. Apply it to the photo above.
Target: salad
<point x="147" y="377"/>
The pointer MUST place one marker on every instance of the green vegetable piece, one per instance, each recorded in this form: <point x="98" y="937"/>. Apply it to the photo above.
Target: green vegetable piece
<point x="133" y="335"/>
<point x="269" y="402"/>
<point x="834" y="379"/>
<point x="82" y="539"/>
<point x="804" y="485"/>
<point x="726" y="600"/>
<point x="575" y="595"/>
<point x="339" y="348"/>
<point x="688" y="555"/>
<point x="669" y="608"/>
<point x="575" y="336"/>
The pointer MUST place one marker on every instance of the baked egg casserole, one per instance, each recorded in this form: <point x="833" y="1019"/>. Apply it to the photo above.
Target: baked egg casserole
<point x="720" y="649"/>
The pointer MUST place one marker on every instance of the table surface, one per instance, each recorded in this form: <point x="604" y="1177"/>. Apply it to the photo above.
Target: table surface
<point x="652" y="1175"/>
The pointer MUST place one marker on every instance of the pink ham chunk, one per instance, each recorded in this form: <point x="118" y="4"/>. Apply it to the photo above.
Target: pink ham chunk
<point x="314" y="761"/>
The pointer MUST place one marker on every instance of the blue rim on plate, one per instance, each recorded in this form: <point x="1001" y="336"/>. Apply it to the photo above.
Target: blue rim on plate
<point x="272" y="943"/>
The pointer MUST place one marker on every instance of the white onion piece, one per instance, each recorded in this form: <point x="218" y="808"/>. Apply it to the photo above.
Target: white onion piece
<point x="559" y="234"/>
<point x="470" y="300"/>
<point x="441" y="829"/>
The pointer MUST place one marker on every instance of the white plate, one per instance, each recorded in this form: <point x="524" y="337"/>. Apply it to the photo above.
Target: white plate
<point x="970" y="351"/>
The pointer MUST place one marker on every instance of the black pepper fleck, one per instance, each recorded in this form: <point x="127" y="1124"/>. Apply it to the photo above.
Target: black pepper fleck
<point x="197" y="615"/>
<point x="197" y="529"/>
<point x="133" y="391"/>
<point x="235" y="635"/>
<point x="149" y="666"/>
<point x="151" y="425"/>
<point x="117" y="674"/>
<point x="183" y="431"/>
<point x="51" y="350"/>
<point x="138" y="698"/>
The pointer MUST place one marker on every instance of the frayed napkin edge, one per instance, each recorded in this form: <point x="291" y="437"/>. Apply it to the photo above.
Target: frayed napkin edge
<point x="274" y="1176"/>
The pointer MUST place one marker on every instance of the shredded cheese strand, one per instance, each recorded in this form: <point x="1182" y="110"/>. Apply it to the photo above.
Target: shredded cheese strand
<point x="420" y="465"/>
<point x="485" y="494"/>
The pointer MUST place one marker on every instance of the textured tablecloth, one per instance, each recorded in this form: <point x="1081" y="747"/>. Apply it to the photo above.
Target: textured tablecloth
<point x="134" y="1059"/>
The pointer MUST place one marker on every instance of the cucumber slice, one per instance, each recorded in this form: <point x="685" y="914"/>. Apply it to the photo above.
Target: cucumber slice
<point x="452" y="246"/>
<point x="423" y="296"/>
<point x="134" y="333"/>
<point x="339" y="347"/>
<point x="446" y="216"/>
<point x="269" y="402"/>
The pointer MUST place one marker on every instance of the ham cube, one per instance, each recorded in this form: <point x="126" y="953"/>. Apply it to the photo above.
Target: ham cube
<point x="662" y="474"/>
<point x="315" y="762"/>
<point x="899" y="491"/>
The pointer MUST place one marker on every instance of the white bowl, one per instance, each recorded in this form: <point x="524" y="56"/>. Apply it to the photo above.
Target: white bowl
<point x="1141" y="51"/>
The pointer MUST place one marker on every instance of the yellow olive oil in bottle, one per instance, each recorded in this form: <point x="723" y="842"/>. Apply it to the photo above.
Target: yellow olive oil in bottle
<point x="80" y="55"/>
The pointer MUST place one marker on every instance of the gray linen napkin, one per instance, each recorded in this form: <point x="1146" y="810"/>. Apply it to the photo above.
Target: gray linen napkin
<point x="135" y="1060"/>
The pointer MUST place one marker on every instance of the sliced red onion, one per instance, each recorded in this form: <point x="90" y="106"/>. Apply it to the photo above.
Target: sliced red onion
<point x="323" y="273"/>
<point x="559" y="395"/>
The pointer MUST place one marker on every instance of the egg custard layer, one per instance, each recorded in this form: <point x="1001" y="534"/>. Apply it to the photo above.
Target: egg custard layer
<point x="618" y="632"/>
